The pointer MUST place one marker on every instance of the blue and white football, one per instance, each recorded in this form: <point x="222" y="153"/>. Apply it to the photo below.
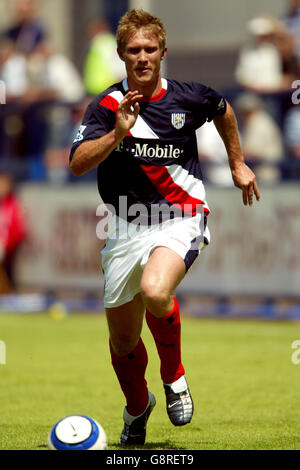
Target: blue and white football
<point x="77" y="432"/>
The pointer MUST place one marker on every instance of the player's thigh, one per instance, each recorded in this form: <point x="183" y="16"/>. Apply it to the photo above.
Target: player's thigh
<point x="125" y="325"/>
<point x="163" y="272"/>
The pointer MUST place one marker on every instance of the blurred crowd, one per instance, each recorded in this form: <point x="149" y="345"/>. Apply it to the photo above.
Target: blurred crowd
<point x="266" y="101"/>
<point x="45" y="93"/>
<point x="46" y="96"/>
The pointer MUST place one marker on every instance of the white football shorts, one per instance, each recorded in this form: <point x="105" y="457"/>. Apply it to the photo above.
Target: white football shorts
<point x="129" y="246"/>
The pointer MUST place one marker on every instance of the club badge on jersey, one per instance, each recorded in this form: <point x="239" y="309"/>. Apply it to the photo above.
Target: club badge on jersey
<point x="178" y="120"/>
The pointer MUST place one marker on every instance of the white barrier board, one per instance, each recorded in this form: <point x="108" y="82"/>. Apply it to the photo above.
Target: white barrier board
<point x="252" y="251"/>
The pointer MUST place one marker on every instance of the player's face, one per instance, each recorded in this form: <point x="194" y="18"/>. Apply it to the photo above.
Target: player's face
<point x="142" y="58"/>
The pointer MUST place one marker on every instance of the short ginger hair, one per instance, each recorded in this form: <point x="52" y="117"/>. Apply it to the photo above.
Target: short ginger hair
<point x="134" y="20"/>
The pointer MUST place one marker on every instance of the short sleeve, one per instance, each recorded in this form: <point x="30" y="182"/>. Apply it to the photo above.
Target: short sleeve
<point x="97" y="122"/>
<point x="213" y="103"/>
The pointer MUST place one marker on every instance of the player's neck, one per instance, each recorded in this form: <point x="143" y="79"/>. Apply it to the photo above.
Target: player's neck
<point x="148" y="90"/>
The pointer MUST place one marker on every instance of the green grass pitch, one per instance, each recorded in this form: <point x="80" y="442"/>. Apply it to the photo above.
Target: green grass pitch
<point x="244" y="385"/>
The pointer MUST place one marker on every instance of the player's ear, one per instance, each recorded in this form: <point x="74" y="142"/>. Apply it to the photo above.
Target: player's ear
<point x="120" y="53"/>
<point x="163" y="53"/>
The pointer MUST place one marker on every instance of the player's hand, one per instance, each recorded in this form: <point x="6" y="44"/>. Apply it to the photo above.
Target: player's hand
<point x="128" y="112"/>
<point x="244" y="178"/>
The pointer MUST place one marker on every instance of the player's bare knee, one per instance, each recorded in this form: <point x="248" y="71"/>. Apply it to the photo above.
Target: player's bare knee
<point x="156" y="298"/>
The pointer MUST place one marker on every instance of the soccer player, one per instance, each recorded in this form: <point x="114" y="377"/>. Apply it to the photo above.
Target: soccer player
<point x="140" y="133"/>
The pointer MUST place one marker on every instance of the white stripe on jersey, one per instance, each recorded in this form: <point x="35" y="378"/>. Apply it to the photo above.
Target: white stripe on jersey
<point x="117" y="95"/>
<point x="193" y="186"/>
<point x="141" y="128"/>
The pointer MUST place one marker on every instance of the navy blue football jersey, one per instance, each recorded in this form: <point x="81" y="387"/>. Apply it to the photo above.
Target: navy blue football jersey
<point x="157" y="162"/>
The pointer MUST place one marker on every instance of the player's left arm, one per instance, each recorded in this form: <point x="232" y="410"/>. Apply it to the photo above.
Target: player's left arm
<point x="243" y="177"/>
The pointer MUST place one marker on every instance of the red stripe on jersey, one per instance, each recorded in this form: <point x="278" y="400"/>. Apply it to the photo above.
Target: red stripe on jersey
<point x="154" y="98"/>
<point x="172" y="192"/>
<point x="110" y="103"/>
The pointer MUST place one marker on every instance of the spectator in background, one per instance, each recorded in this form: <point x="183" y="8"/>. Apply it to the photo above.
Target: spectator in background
<point x="292" y="22"/>
<point x="42" y="83"/>
<point x="290" y="65"/>
<point x="52" y="76"/>
<point x="102" y="65"/>
<point x="292" y="133"/>
<point x="13" y="71"/>
<point x="266" y="64"/>
<point x="17" y="43"/>
<point x="27" y="30"/>
<point x="261" y="138"/>
<point x="213" y="156"/>
<point x="12" y="231"/>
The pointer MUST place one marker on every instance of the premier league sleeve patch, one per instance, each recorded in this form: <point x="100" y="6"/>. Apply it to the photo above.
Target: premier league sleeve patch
<point x="79" y="137"/>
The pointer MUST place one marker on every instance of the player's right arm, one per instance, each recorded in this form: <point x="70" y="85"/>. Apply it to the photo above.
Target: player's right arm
<point x="93" y="152"/>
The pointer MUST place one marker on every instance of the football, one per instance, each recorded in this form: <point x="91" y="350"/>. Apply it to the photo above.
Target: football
<point x="77" y="432"/>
